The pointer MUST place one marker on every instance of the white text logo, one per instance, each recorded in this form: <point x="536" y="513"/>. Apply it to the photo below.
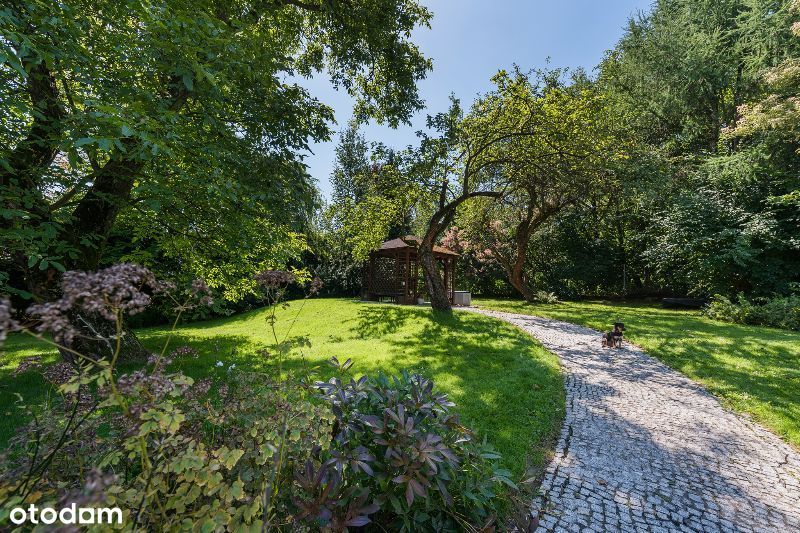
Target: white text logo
<point x="67" y="515"/>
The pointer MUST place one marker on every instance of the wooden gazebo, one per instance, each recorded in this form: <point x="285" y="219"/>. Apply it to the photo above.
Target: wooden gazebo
<point x="393" y="271"/>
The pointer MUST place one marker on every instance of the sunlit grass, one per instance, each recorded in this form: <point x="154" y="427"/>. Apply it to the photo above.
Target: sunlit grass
<point x="755" y="370"/>
<point x="504" y="383"/>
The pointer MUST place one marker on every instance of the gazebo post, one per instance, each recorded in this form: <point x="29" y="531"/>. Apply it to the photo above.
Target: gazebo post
<point x="446" y="264"/>
<point x="371" y="274"/>
<point x="396" y="273"/>
<point x="406" y="276"/>
<point x="415" y="294"/>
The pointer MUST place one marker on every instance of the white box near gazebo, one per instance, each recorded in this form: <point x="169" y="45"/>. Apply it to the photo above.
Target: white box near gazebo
<point x="462" y="298"/>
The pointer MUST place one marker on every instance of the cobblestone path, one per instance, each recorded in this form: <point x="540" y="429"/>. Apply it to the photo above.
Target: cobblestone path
<point x="643" y="448"/>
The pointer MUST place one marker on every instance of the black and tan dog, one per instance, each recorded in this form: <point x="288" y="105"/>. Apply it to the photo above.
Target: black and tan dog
<point x="613" y="339"/>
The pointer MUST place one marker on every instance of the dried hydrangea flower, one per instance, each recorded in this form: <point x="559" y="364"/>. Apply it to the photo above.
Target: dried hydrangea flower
<point x="315" y="286"/>
<point x="152" y="359"/>
<point x="59" y="373"/>
<point x="52" y="318"/>
<point x="140" y="384"/>
<point x="114" y="289"/>
<point x="109" y="292"/>
<point x="163" y="287"/>
<point x="202" y="291"/>
<point x="184" y="352"/>
<point x="199" y="286"/>
<point x="33" y="362"/>
<point x="273" y="279"/>
<point x="200" y="388"/>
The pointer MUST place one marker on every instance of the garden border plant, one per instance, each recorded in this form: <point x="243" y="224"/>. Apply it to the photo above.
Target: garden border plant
<point x="241" y="450"/>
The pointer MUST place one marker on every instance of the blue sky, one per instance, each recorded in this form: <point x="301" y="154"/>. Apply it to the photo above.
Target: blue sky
<point x="470" y="40"/>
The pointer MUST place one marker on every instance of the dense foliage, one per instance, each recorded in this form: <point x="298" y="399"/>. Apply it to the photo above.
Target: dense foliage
<point x="171" y="133"/>
<point x="779" y="312"/>
<point x="718" y="215"/>
<point x="239" y="450"/>
<point x="697" y="195"/>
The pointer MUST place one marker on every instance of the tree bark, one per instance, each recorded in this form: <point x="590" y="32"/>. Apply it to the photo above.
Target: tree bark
<point x="518" y="281"/>
<point x="433" y="280"/>
<point x="514" y="265"/>
<point x="39" y="148"/>
<point x="94" y="216"/>
<point x="430" y="271"/>
<point x="439" y="222"/>
<point x="96" y="340"/>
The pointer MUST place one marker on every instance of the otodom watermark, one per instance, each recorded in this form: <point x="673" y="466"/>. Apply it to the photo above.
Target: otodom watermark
<point x="66" y="515"/>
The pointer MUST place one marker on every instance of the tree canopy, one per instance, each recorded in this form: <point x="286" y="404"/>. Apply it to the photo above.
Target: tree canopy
<point x="176" y="128"/>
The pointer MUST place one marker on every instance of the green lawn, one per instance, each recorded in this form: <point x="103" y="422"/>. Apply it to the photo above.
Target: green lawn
<point x="505" y="384"/>
<point x="755" y="370"/>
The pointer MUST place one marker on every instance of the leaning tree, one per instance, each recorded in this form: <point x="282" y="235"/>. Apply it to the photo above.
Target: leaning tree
<point x="182" y="119"/>
<point x="567" y="159"/>
<point x="463" y="161"/>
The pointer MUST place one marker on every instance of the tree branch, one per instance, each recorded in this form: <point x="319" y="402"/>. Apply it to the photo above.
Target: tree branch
<point x="38" y="150"/>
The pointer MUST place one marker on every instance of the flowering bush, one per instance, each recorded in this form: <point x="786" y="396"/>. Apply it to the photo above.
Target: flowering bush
<point x="238" y="450"/>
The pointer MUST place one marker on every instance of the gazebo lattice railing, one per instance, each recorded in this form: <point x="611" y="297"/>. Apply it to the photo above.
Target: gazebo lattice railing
<point x="393" y="271"/>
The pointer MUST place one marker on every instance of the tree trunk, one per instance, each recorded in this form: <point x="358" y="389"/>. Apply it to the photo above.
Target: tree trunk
<point x="517" y="279"/>
<point x="440" y="221"/>
<point x="95" y="213"/>
<point x="97" y="340"/>
<point x="433" y="280"/>
<point x="39" y="148"/>
<point x="515" y="265"/>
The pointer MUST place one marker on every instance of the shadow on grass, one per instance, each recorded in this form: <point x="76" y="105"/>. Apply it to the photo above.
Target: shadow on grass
<point x="503" y="383"/>
<point x="753" y="369"/>
<point x="377" y="320"/>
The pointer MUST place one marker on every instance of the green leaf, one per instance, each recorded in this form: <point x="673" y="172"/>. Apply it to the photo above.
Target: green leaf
<point x="229" y="457"/>
<point x="84" y="141"/>
<point x="187" y="81"/>
<point x="25" y="295"/>
<point x="237" y="490"/>
<point x="73" y="158"/>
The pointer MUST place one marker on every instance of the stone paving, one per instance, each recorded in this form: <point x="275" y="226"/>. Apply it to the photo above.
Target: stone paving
<point x="643" y="448"/>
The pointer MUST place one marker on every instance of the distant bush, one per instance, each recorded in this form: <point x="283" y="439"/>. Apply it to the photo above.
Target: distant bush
<point x="545" y="297"/>
<point x="779" y="312"/>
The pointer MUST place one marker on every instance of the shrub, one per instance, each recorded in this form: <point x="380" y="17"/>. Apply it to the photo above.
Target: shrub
<point x="169" y="451"/>
<point x="217" y="452"/>
<point x="397" y="438"/>
<point x="779" y="311"/>
<point x="544" y="297"/>
<point x="243" y="450"/>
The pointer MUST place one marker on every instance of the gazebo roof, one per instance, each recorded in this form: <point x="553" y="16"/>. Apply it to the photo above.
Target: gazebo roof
<point x="412" y="242"/>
